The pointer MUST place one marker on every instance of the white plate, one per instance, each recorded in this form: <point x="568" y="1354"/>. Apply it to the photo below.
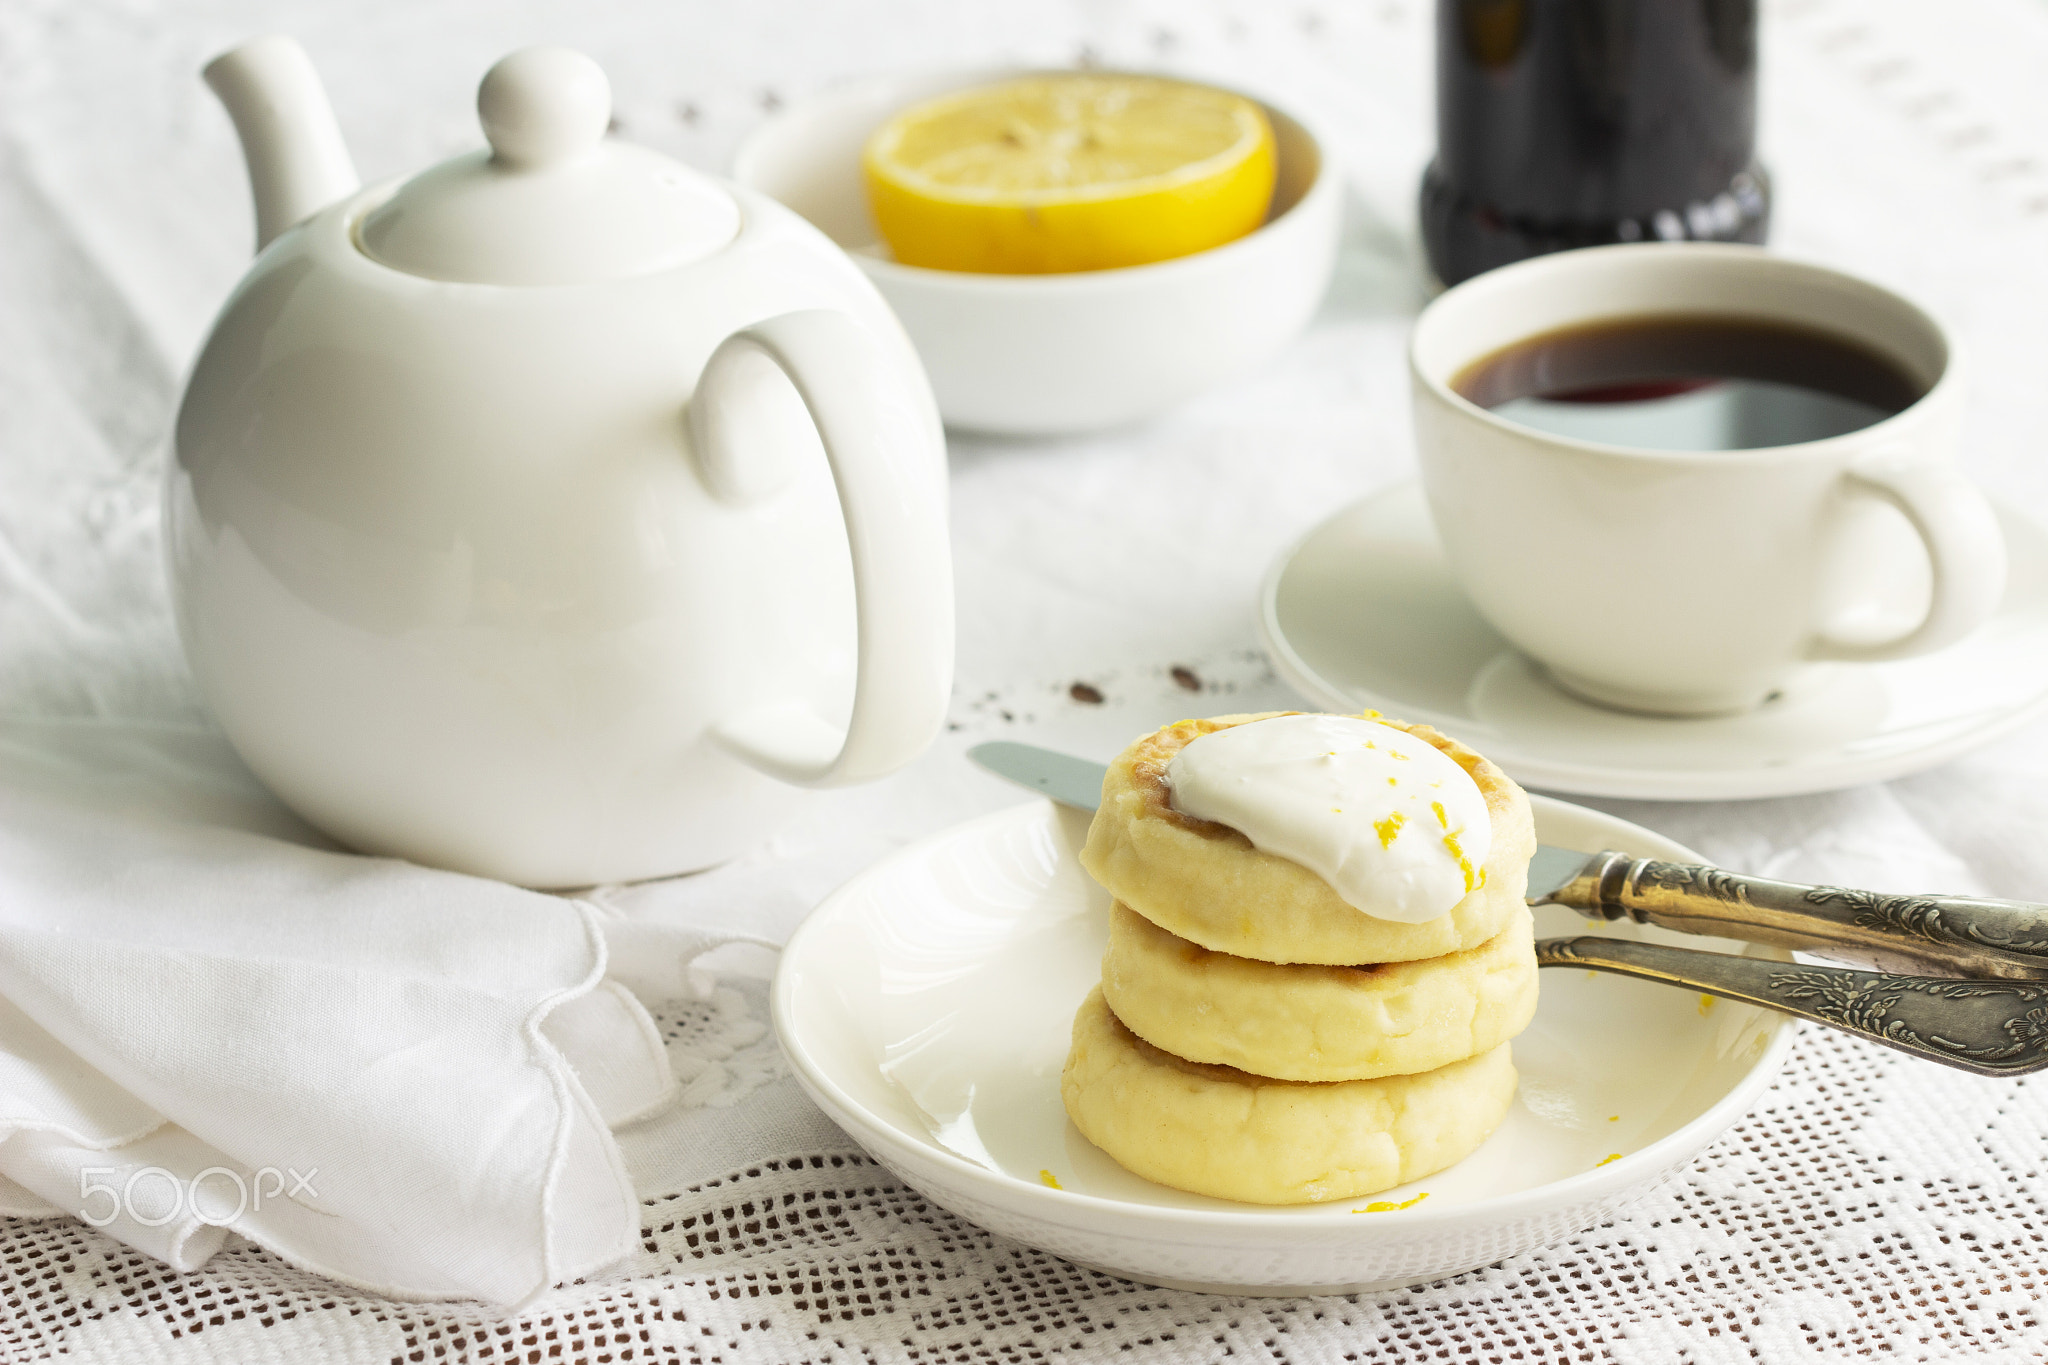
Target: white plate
<point x="926" y="1006"/>
<point x="1363" y="612"/>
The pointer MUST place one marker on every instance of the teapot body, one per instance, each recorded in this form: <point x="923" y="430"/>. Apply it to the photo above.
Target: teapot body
<point x="449" y="573"/>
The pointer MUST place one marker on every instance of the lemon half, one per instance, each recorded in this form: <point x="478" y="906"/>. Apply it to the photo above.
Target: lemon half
<point x="1069" y="172"/>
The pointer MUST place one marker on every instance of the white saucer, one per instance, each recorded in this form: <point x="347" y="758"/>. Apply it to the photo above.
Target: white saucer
<point x="926" y="1007"/>
<point x="1363" y="613"/>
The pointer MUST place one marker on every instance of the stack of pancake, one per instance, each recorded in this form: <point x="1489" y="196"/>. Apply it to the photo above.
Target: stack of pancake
<point x="1257" y="1037"/>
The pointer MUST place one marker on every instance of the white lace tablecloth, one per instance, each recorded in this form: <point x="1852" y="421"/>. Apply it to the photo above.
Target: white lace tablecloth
<point x="1869" y="1208"/>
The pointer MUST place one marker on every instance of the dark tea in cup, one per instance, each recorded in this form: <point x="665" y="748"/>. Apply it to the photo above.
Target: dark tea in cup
<point x="1690" y="382"/>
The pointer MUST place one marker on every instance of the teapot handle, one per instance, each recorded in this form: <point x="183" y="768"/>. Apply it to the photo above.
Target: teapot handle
<point x="888" y="459"/>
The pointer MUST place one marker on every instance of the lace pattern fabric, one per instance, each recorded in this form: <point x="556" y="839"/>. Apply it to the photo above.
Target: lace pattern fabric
<point x="1862" y="1212"/>
<point x="720" y="1048"/>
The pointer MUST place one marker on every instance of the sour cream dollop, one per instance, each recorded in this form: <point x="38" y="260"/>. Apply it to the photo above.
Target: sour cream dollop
<point x="1396" y="828"/>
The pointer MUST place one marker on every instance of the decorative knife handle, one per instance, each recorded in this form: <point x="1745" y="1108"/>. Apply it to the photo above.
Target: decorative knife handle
<point x="1994" y="1028"/>
<point x="1957" y="934"/>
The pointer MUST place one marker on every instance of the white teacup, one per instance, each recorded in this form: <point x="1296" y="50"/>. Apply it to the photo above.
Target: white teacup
<point x="1698" y="582"/>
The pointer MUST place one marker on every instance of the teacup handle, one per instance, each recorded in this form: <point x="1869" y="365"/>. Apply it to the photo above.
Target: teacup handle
<point x="1965" y="550"/>
<point x="888" y="459"/>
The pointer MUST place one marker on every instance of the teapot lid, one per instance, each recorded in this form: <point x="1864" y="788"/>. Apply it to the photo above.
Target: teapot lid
<point x="553" y="201"/>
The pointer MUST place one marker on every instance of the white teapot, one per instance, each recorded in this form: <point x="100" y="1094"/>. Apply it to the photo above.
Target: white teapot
<point x="558" y="513"/>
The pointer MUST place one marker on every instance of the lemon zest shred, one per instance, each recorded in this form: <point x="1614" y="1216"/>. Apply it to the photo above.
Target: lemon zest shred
<point x="1706" y="1004"/>
<point x="1464" y="863"/>
<point x="1389" y="828"/>
<point x="1389" y="1206"/>
<point x="1048" y="1178"/>
<point x="1611" y="1156"/>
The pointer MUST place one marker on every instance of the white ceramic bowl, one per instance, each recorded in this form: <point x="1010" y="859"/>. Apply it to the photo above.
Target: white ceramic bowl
<point x="926" y="1007"/>
<point x="1044" y="354"/>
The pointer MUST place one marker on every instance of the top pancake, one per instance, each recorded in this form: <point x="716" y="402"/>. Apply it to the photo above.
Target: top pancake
<point x="1205" y="882"/>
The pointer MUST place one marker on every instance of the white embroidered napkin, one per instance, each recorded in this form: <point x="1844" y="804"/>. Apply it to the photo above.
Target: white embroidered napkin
<point x="212" y="1021"/>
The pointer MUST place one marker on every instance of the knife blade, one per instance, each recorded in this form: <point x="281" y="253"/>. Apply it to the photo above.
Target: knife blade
<point x="1066" y="779"/>
<point x="1960" y="935"/>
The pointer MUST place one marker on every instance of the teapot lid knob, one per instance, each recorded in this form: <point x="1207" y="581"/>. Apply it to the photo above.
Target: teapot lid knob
<point x="541" y="106"/>
<point x="554" y="201"/>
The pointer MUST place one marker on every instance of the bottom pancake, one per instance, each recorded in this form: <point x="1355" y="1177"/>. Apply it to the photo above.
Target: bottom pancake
<point x="1218" y="1131"/>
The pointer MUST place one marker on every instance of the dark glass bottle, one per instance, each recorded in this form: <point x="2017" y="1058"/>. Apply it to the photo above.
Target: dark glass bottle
<point x="1567" y="123"/>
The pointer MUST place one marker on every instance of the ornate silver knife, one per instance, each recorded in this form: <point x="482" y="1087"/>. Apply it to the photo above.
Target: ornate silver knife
<point x="1961" y="935"/>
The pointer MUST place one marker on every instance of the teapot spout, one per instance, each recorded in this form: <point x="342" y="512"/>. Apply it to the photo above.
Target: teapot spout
<point x="298" y="163"/>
